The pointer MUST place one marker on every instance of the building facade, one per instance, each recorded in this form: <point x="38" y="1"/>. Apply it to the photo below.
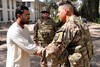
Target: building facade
<point x="7" y="9"/>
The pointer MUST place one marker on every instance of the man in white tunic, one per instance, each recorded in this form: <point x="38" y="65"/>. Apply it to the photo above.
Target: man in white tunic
<point x="19" y="43"/>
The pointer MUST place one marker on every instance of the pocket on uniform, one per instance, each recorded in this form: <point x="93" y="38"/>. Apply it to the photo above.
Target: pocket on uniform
<point x="75" y="60"/>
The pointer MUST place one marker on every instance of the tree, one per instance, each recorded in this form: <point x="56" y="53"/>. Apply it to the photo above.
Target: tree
<point x="90" y="9"/>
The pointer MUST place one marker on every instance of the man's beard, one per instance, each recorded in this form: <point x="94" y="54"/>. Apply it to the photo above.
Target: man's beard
<point x="24" y="22"/>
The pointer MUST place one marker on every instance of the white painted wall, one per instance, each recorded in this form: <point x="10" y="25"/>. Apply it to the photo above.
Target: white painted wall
<point x="5" y="10"/>
<point x="32" y="12"/>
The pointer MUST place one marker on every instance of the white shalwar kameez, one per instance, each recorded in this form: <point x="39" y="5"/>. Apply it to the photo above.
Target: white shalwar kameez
<point x="19" y="46"/>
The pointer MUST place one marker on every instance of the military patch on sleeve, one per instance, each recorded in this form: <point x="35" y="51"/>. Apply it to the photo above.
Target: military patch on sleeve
<point x="58" y="37"/>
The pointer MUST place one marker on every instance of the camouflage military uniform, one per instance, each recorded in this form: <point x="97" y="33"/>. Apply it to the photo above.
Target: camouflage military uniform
<point x="44" y="32"/>
<point x="72" y="43"/>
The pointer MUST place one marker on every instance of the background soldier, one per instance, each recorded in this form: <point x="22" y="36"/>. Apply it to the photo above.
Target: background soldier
<point x="72" y="42"/>
<point x="44" y="30"/>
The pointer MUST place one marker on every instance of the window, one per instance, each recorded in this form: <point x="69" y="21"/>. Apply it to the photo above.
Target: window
<point x="23" y="3"/>
<point x="8" y="4"/>
<point x="8" y="15"/>
<point x="18" y="4"/>
<point x="1" y="15"/>
<point x="12" y="15"/>
<point x="0" y="3"/>
<point x="28" y="4"/>
<point x="12" y="4"/>
<point x="35" y="8"/>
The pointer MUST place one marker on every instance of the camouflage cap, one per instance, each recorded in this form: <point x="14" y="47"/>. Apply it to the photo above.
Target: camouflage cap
<point x="45" y="9"/>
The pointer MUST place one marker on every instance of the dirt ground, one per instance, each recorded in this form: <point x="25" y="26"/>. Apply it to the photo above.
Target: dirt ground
<point x="94" y="30"/>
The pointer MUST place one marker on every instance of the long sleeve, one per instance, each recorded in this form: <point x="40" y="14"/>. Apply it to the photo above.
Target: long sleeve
<point x="62" y="39"/>
<point x="23" y="40"/>
<point x="57" y="46"/>
<point x="19" y="46"/>
<point x="23" y="43"/>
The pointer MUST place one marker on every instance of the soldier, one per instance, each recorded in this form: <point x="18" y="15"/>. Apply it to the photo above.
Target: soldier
<point x="44" y="30"/>
<point x="71" y="46"/>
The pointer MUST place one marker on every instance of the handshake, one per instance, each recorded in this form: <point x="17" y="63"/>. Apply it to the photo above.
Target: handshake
<point x="39" y="51"/>
<point x="48" y="51"/>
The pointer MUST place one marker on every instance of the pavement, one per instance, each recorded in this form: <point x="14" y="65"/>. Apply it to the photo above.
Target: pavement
<point x="94" y="31"/>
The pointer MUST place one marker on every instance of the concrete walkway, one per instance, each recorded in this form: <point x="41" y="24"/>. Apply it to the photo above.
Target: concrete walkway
<point x="95" y="33"/>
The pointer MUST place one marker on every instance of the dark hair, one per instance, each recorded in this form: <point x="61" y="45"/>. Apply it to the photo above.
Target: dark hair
<point x="65" y="2"/>
<point x="20" y="10"/>
<point x="68" y="2"/>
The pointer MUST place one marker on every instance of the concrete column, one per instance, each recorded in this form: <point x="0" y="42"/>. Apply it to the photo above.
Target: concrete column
<point x="5" y="15"/>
